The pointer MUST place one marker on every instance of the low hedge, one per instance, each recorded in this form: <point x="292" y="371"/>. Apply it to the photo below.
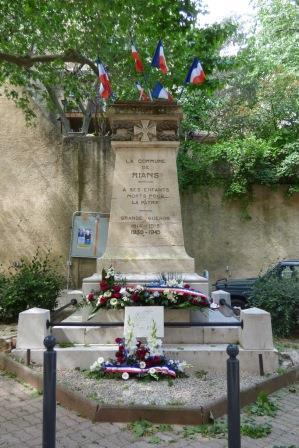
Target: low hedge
<point x="280" y="297"/>
<point x="34" y="282"/>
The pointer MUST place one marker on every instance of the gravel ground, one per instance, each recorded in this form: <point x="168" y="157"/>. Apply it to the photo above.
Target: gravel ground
<point x="8" y="330"/>
<point x="196" y="390"/>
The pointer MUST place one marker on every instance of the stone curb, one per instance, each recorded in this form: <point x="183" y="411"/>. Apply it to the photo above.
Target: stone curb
<point x="171" y="415"/>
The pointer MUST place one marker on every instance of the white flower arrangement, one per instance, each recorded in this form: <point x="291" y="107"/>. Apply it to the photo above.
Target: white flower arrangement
<point x="110" y="272"/>
<point x="137" y="362"/>
<point x="107" y="294"/>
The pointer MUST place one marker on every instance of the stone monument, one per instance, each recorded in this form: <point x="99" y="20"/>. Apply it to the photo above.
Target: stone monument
<point x="145" y="236"/>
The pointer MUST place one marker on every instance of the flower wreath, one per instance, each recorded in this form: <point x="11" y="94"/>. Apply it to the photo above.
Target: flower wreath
<point x="116" y="294"/>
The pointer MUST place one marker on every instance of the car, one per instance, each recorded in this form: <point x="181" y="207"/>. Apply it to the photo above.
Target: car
<point x="240" y="289"/>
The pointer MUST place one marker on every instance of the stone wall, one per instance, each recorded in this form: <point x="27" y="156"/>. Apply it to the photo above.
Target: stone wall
<point x="227" y="242"/>
<point x="45" y="178"/>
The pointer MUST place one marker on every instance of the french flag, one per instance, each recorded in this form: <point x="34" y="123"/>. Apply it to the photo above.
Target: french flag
<point x="142" y="95"/>
<point x="159" y="60"/>
<point x="137" y="59"/>
<point x="160" y="92"/>
<point x="195" y="74"/>
<point x="105" y="87"/>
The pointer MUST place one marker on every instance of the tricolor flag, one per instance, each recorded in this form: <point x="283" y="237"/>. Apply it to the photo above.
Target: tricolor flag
<point x="137" y="59"/>
<point x="105" y="87"/>
<point x="159" y="60"/>
<point x="143" y="96"/>
<point x="160" y="92"/>
<point x="195" y="74"/>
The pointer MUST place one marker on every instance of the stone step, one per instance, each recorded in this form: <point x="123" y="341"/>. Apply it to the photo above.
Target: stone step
<point x="200" y="356"/>
<point x="189" y="335"/>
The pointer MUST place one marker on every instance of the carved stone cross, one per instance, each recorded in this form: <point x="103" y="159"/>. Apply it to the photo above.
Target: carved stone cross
<point x="146" y="129"/>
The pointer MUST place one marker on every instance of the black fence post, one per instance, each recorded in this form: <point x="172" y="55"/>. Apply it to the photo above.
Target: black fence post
<point x="233" y="397"/>
<point x="49" y="394"/>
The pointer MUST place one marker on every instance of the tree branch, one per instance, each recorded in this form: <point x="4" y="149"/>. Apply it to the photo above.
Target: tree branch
<point x="52" y="94"/>
<point x="30" y="60"/>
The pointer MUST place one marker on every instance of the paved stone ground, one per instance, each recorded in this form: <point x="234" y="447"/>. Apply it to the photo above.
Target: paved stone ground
<point x="21" y="425"/>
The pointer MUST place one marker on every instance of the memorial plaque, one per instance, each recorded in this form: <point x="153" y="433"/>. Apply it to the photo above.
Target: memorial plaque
<point x="140" y="320"/>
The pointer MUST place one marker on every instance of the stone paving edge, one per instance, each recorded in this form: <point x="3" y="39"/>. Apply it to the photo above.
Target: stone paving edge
<point x="171" y="415"/>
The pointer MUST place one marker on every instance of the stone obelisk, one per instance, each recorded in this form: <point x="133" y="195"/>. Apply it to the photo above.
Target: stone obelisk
<point x="145" y="236"/>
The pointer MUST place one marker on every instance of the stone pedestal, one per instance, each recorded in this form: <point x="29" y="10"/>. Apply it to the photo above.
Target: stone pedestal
<point x="32" y="328"/>
<point x="145" y="236"/>
<point x="257" y="330"/>
<point x="220" y="294"/>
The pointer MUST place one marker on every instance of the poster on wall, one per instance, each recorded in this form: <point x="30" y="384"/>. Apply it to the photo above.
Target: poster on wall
<point x="89" y="234"/>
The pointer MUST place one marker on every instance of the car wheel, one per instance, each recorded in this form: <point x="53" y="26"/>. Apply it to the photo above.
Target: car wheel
<point x="241" y="303"/>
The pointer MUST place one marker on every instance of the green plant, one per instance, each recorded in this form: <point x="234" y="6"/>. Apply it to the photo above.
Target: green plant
<point x="280" y="297"/>
<point x="217" y="429"/>
<point x="155" y="440"/>
<point x="292" y="389"/>
<point x="164" y="427"/>
<point x="30" y="283"/>
<point x="281" y="345"/>
<point x="256" y="431"/>
<point x="284" y="446"/>
<point x="9" y="375"/>
<point x="66" y="344"/>
<point x="176" y="403"/>
<point x="280" y="370"/>
<point x="93" y="396"/>
<point x="36" y="393"/>
<point x="263" y="406"/>
<point x="141" y="428"/>
<point x="201" y="374"/>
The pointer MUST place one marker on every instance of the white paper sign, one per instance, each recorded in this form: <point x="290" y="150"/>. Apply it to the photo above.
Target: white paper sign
<point x="139" y="319"/>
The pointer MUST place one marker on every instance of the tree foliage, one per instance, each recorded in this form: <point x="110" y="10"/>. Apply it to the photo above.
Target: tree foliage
<point x="49" y="46"/>
<point x="254" y="114"/>
<point x="280" y="297"/>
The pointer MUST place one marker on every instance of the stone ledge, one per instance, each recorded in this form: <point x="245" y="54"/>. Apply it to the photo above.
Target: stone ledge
<point x="157" y="414"/>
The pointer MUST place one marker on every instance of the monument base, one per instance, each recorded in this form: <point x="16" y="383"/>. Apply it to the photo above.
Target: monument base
<point x="194" y="280"/>
<point x="209" y="357"/>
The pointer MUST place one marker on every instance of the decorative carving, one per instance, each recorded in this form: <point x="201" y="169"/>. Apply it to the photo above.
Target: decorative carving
<point x="167" y="126"/>
<point x="145" y="131"/>
<point x="167" y="135"/>
<point x="122" y="130"/>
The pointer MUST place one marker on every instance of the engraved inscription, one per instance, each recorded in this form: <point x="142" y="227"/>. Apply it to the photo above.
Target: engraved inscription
<point x="144" y="198"/>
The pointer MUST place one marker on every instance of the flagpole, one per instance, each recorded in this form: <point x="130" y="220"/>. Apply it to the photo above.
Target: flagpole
<point x="183" y="90"/>
<point x="143" y="72"/>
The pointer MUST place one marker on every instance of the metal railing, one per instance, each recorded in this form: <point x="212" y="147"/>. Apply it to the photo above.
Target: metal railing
<point x="49" y="395"/>
<point x="51" y="324"/>
<point x="55" y="313"/>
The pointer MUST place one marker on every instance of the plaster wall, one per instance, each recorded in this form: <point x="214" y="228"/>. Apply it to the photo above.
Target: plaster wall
<point x="44" y="178"/>
<point x="227" y="242"/>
